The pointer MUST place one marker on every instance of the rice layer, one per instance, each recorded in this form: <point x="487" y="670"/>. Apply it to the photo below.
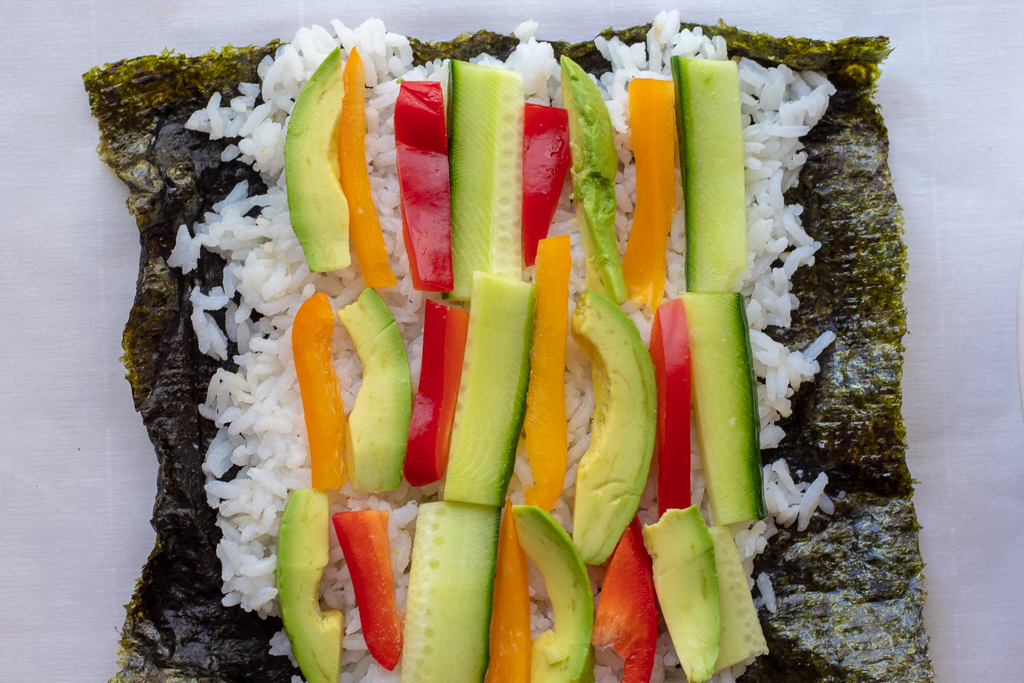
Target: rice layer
<point x="260" y="452"/>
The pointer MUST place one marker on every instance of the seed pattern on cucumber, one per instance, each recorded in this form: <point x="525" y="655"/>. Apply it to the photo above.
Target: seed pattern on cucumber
<point x="725" y="406"/>
<point x="448" y="610"/>
<point x="492" y="395"/>
<point x="741" y="635"/>
<point x="486" y="172"/>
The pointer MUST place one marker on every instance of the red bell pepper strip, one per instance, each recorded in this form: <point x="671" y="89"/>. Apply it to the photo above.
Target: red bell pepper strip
<point x="627" y="616"/>
<point x="670" y="351"/>
<point x="444" y="343"/>
<point x="546" y="160"/>
<point x="421" y="146"/>
<point x="363" y="535"/>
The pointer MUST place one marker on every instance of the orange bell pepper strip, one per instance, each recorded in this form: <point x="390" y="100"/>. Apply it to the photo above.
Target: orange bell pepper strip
<point x="364" y="225"/>
<point x="652" y="120"/>
<point x="320" y="390"/>
<point x="510" y="611"/>
<point x="627" y="618"/>
<point x="547" y="440"/>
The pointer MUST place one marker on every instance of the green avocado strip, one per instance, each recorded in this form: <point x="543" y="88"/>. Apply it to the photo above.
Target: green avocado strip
<point x="594" y="165"/>
<point x="378" y="426"/>
<point x="848" y="588"/>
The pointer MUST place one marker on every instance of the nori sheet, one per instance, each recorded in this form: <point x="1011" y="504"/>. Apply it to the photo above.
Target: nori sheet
<point x="850" y="588"/>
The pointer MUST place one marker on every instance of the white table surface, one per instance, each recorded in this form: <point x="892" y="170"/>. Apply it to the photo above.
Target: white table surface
<point x="77" y="472"/>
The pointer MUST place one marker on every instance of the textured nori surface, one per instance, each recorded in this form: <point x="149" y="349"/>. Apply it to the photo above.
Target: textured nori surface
<point x="850" y="588"/>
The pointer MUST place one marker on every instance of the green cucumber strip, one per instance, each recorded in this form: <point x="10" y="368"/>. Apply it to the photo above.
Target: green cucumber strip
<point x="594" y="165"/>
<point x="492" y="394"/>
<point x="564" y="654"/>
<point x="686" y="583"/>
<point x="378" y="426"/>
<point x="711" y="146"/>
<point x="725" y="405"/>
<point x="741" y="636"/>
<point x="448" y="611"/>
<point x="486" y="169"/>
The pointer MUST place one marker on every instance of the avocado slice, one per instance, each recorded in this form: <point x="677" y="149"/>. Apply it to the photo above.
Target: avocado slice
<point x="301" y="557"/>
<point x="686" y="582"/>
<point x="378" y="426"/>
<point x="594" y="164"/>
<point x="563" y="655"/>
<point x="612" y="473"/>
<point x="316" y="202"/>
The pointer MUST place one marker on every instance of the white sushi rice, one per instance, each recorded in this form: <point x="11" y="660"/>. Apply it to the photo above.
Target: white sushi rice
<point x="261" y="440"/>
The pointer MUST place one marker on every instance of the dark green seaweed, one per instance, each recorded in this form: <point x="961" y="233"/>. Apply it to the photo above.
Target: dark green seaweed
<point x="176" y="627"/>
<point x="849" y="589"/>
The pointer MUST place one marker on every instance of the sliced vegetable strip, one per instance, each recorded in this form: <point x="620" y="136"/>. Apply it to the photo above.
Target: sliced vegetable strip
<point x="421" y="146"/>
<point x="364" y="227"/>
<point x="444" y="344"/>
<point x="378" y="426"/>
<point x="725" y="405"/>
<point x="710" y="125"/>
<point x="451" y="585"/>
<point x="316" y="202"/>
<point x="320" y="390"/>
<point x="594" y="165"/>
<point x="670" y="351"/>
<point x="652" y="120"/>
<point x="741" y="636"/>
<point x="485" y="118"/>
<point x="510" y="613"/>
<point x="546" y="160"/>
<point x="363" y="536"/>
<point x="627" y="618"/>
<point x="302" y="554"/>
<point x="546" y="436"/>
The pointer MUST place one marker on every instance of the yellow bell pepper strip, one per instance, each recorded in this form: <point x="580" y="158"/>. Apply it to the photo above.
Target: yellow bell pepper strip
<point x="546" y="437"/>
<point x="320" y="390"/>
<point x="510" y="612"/>
<point x="364" y="226"/>
<point x="652" y="120"/>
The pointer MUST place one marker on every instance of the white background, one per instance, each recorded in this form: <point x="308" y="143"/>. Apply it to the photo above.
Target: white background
<point x="77" y="472"/>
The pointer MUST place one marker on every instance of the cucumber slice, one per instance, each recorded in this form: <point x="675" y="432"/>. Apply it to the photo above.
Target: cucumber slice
<point x="686" y="582"/>
<point x="564" y="654"/>
<point x="741" y="636"/>
<point x="711" y="145"/>
<point x="448" y="611"/>
<point x="725" y="405"/>
<point x="378" y="426"/>
<point x="485" y="160"/>
<point x="492" y="394"/>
